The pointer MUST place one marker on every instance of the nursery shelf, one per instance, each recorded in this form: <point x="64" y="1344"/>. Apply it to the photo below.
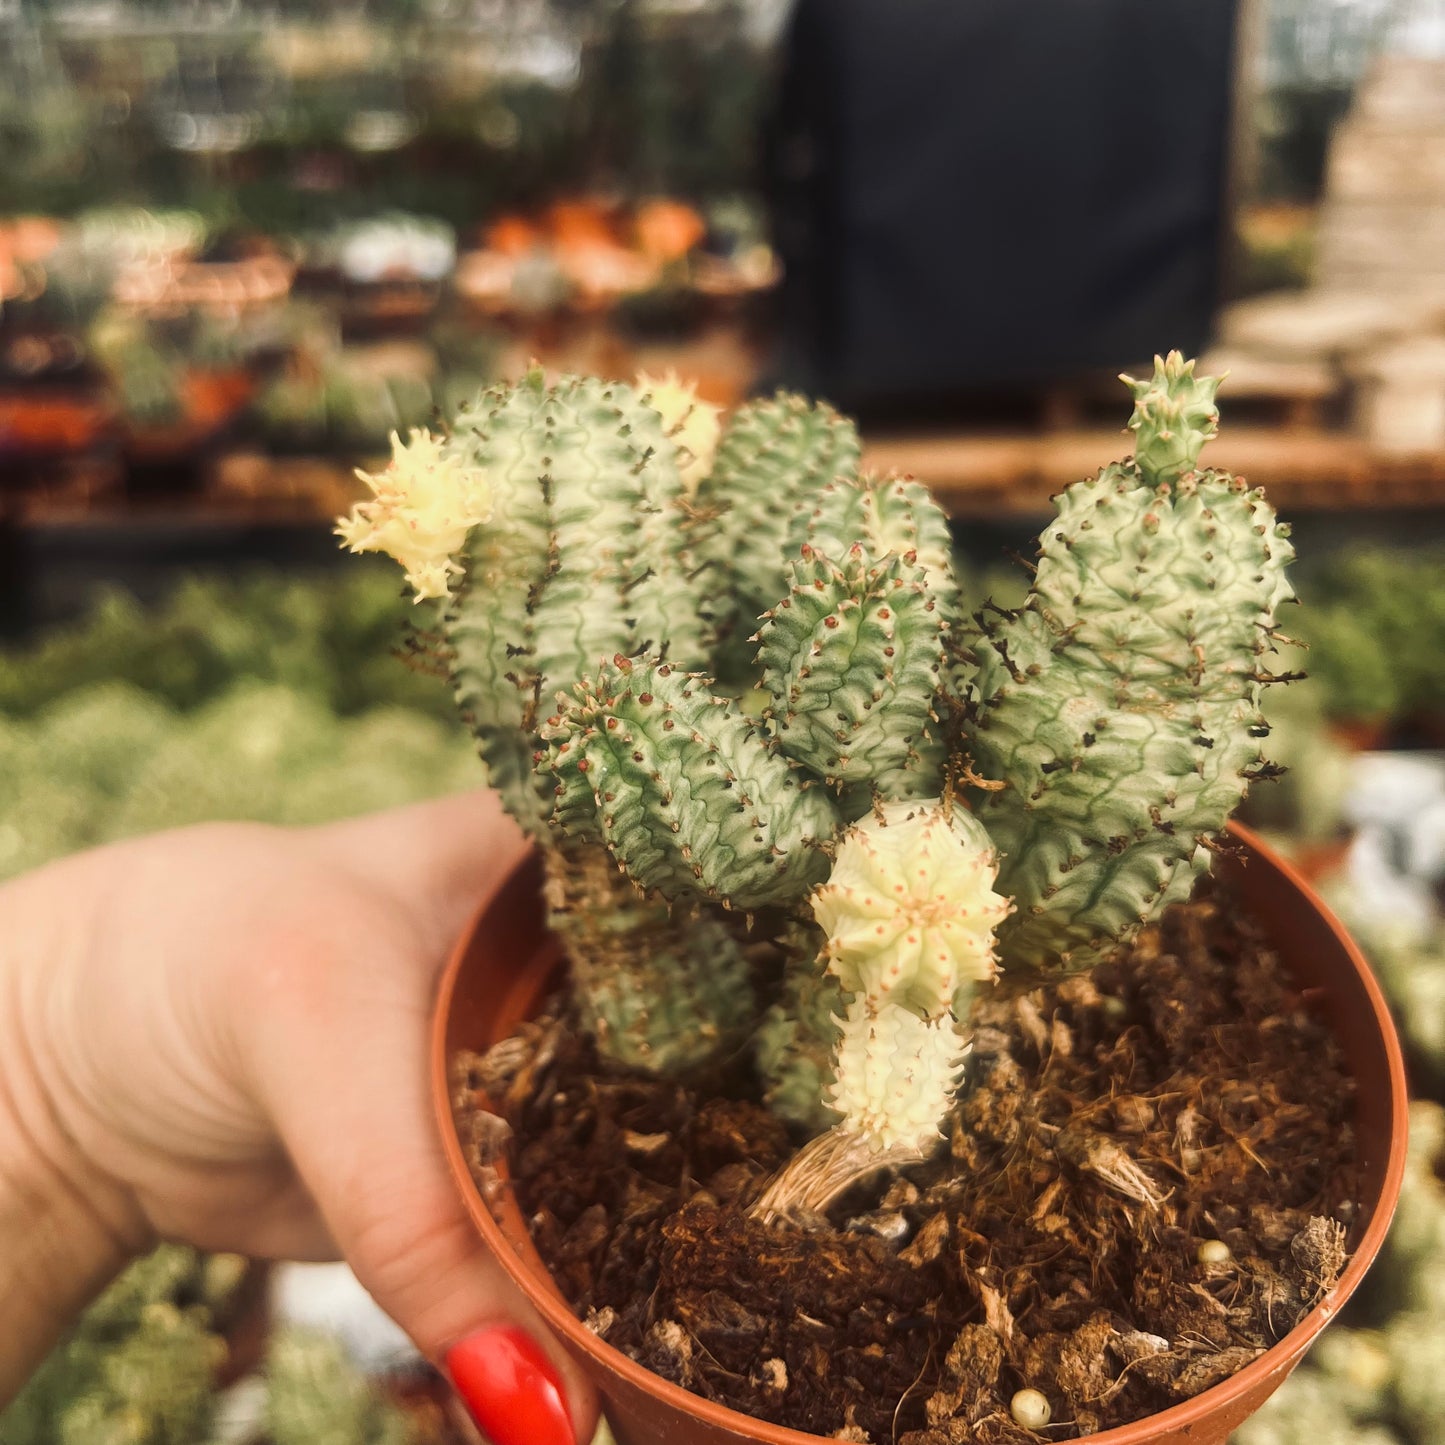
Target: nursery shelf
<point x="974" y="474"/>
<point x="1012" y="473"/>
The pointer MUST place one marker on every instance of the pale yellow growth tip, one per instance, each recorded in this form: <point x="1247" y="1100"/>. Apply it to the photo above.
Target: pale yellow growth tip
<point x="694" y="425"/>
<point x="423" y="505"/>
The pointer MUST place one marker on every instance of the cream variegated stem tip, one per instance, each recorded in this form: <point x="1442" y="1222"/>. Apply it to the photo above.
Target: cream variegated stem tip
<point x="422" y="507"/>
<point x="909" y="914"/>
<point x="692" y="424"/>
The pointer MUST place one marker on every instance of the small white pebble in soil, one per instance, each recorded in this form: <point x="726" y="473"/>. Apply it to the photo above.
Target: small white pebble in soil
<point x="774" y="1374"/>
<point x="1030" y="1409"/>
<point x="1213" y="1251"/>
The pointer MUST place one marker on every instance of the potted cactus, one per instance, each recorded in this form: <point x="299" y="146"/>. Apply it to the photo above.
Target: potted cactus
<point x="725" y="680"/>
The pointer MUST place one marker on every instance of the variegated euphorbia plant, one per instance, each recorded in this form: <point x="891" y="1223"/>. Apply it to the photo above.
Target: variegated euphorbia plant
<point x="724" y="679"/>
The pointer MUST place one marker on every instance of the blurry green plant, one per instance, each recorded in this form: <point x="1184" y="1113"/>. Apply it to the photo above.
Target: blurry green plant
<point x="140" y="1368"/>
<point x="44" y="117"/>
<point x="109" y="761"/>
<point x="329" y="639"/>
<point x="336" y="405"/>
<point x="1374" y="624"/>
<point x="1409" y="958"/>
<point x="315" y="1395"/>
<point x="264" y="699"/>
<point x="147" y="374"/>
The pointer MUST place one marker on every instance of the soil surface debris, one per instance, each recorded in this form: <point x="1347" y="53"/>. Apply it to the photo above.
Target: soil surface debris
<point x="1148" y="1180"/>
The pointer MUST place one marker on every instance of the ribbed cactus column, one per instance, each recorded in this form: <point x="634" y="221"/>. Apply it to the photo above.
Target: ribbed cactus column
<point x="577" y="561"/>
<point x="885" y="515"/>
<point x="1121" y="704"/>
<point x="774" y="455"/>
<point x="660" y="991"/>
<point x="889" y="516"/>
<point x="796" y="1040"/>
<point x="852" y="659"/>
<point x="678" y="784"/>
<point x="550" y="528"/>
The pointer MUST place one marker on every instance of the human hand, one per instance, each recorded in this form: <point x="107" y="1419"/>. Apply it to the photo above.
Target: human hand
<point x="218" y="1035"/>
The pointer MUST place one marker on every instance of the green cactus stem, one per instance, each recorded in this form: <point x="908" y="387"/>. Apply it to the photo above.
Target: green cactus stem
<point x="574" y="564"/>
<point x="795" y="1042"/>
<point x="897" y="515"/>
<point x="887" y="515"/>
<point x="549" y="527"/>
<point x="678" y="784"/>
<point x="667" y="993"/>
<point x="852" y="659"/>
<point x="774" y="455"/>
<point x="1120" y="705"/>
<point x="1174" y="415"/>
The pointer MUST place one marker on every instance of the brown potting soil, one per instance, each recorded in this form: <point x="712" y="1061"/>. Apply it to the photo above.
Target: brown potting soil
<point x="1183" y="1093"/>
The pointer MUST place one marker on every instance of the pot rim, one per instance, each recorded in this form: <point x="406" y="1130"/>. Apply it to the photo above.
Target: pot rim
<point x="520" y="1261"/>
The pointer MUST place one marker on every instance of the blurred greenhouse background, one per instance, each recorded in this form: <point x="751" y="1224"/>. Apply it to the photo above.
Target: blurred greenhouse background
<point x="240" y="244"/>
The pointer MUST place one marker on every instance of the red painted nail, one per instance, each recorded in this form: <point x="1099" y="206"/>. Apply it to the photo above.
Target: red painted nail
<point x="511" y="1388"/>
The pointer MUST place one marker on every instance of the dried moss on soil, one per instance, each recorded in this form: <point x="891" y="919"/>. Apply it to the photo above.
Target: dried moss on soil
<point x="1185" y="1092"/>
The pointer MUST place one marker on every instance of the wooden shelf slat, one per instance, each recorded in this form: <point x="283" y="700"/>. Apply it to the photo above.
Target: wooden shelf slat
<point x="1301" y="469"/>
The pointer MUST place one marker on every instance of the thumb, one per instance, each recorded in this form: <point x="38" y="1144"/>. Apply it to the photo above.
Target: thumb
<point x="342" y="1065"/>
<point x="437" y="860"/>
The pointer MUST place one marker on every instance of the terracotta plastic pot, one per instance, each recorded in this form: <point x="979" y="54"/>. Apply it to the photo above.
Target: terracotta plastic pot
<point x="506" y="963"/>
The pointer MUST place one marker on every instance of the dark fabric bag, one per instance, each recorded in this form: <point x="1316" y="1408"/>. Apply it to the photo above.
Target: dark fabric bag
<point x="996" y="191"/>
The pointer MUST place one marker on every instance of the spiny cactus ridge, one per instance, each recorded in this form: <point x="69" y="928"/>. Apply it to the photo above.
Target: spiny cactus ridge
<point x="774" y="455"/>
<point x="852" y="659"/>
<point x="574" y="564"/>
<point x="662" y="990"/>
<point x="674" y="779"/>
<point x="885" y="515"/>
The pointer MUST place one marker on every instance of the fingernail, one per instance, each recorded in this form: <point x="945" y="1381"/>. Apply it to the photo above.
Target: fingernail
<point x="511" y="1388"/>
